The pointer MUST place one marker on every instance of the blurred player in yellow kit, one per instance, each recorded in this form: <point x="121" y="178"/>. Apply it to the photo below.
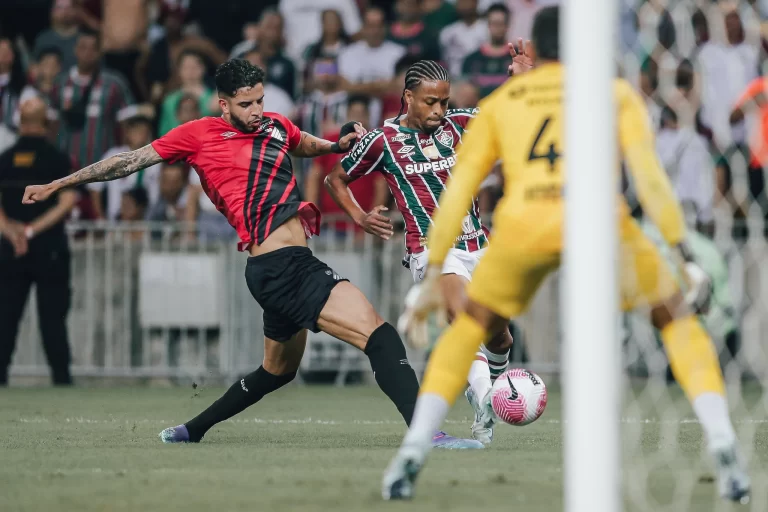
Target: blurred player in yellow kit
<point x="521" y="123"/>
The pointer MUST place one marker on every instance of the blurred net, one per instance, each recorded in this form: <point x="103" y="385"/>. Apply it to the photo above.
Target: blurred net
<point x="696" y="62"/>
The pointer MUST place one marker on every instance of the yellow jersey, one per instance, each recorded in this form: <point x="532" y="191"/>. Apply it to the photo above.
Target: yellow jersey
<point x="521" y="124"/>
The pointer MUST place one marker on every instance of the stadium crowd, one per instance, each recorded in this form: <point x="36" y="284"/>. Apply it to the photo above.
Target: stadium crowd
<point x="332" y="60"/>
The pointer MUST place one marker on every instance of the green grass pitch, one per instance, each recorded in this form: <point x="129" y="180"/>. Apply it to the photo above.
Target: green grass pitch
<point x="320" y="448"/>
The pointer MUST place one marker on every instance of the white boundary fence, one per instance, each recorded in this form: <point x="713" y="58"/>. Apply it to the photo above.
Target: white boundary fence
<point x="149" y="303"/>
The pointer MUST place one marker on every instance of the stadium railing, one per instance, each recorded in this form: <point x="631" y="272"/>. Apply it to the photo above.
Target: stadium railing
<point x="155" y="301"/>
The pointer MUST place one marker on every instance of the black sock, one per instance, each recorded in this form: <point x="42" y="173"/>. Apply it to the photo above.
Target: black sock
<point x="391" y="369"/>
<point x="241" y="395"/>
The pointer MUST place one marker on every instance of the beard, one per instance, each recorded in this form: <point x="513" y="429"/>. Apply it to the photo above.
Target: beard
<point x="241" y="126"/>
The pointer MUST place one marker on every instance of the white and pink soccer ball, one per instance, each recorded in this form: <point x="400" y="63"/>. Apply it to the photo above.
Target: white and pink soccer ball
<point x="518" y="397"/>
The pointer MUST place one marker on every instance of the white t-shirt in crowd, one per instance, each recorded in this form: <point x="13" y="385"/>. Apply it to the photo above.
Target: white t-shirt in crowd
<point x="149" y="179"/>
<point x="360" y="63"/>
<point x="303" y="21"/>
<point x="458" y="40"/>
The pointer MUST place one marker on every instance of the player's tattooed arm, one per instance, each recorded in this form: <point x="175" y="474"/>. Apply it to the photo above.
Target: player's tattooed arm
<point x="112" y="168"/>
<point x="310" y="146"/>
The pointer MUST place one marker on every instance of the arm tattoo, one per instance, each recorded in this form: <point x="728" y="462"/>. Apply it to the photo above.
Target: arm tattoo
<point x="311" y="146"/>
<point x="114" y="167"/>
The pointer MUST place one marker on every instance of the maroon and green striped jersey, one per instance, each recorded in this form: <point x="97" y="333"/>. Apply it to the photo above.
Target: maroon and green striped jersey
<point x="101" y="131"/>
<point x="417" y="167"/>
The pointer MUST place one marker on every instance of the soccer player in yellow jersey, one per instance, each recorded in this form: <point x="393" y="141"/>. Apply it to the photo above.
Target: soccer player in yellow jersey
<point x="521" y="124"/>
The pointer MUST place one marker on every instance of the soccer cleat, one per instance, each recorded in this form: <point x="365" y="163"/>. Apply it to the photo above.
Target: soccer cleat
<point x="482" y="428"/>
<point x="732" y="478"/>
<point x="446" y="442"/>
<point x="178" y="434"/>
<point x="400" y="476"/>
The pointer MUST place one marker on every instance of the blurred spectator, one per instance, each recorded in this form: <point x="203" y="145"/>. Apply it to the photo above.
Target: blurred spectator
<point x="89" y="13"/>
<point x="409" y="31"/>
<point x="134" y="203"/>
<point x="249" y="42"/>
<point x="306" y="23"/>
<point x="280" y="70"/>
<point x="188" y="109"/>
<point x="191" y="71"/>
<point x="222" y="20"/>
<point x="487" y="67"/>
<point x="686" y="158"/>
<point x="171" y="203"/>
<point x="463" y="37"/>
<point x="332" y="40"/>
<point x="137" y="132"/>
<point x="324" y="108"/>
<point x="87" y="99"/>
<point x="33" y="244"/>
<point x="63" y="32"/>
<point x="392" y="100"/>
<point x="523" y="12"/>
<point x="464" y="95"/>
<point x="438" y="14"/>
<point x="13" y="90"/>
<point x="46" y="69"/>
<point x="368" y="66"/>
<point x="728" y="63"/>
<point x="275" y="98"/>
<point x="123" y="39"/>
<point x="160" y="72"/>
<point x="369" y="191"/>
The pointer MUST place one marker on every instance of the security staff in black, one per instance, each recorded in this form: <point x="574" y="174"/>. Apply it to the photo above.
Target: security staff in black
<point x="33" y="244"/>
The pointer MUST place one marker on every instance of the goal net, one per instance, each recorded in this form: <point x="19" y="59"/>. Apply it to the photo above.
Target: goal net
<point x="698" y="64"/>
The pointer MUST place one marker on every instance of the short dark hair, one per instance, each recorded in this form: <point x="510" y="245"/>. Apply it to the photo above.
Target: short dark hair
<point x="546" y="33"/>
<point x="191" y="53"/>
<point x="499" y="8"/>
<point x="86" y="32"/>
<point x="49" y="50"/>
<point x="236" y="74"/>
<point x="138" y="194"/>
<point x="358" y="98"/>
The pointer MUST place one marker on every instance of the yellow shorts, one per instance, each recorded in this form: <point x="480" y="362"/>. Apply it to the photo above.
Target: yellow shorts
<point x="514" y="266"/>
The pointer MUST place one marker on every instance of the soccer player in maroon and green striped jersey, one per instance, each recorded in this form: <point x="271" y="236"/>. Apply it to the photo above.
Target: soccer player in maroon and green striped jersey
<point x="415" y="152"/>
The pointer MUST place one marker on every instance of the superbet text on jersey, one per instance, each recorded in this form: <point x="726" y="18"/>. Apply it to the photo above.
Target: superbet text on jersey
<point x="417" y="167"/>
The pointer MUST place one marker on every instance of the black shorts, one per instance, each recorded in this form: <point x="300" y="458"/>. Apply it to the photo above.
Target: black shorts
<point x="292" y="286"/>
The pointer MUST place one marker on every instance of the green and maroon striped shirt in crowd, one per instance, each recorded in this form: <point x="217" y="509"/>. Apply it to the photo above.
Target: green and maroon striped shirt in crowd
<point x="110" y="93"/>
<point x="417" y="167"/>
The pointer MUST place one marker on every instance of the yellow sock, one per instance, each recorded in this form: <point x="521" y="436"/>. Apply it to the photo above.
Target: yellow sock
<point x="448" y="367"/>
<point x="692" y="357"/>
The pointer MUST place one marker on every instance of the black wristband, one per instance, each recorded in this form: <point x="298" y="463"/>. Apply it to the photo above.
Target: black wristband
<point x="335" y="148"/>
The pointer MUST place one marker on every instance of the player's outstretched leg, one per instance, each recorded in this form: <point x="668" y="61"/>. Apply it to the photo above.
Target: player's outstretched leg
<point x="281" y="362"/>
<point x="490" y="361"/>
<point x="443" y="381"/>
<point x="695" y="365"/>
<point x="348" y="316"/>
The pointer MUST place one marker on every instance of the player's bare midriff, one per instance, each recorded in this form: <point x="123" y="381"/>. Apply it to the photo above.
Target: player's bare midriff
<point x="290" y="233"/>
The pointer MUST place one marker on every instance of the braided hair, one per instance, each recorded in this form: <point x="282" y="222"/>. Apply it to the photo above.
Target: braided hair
<point x="421" y="71"/>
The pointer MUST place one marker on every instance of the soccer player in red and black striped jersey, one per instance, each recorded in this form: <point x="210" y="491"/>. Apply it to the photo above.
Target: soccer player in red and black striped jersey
<point x="243" y="159"/>
<point x="415" y="152"/>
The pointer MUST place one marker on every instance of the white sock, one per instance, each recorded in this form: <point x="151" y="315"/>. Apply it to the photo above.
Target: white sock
<point x="431" y="410"/>
<point x="712" y="411"/>
<point x="479" y="377"/>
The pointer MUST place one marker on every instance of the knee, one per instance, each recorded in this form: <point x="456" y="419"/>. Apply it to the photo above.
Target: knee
<point x="672" y="309"/>
<point x="500" y="342"/>
<point x="370" y="323"/>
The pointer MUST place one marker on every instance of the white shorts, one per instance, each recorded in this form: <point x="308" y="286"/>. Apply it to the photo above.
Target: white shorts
<point x="457" y="262"/>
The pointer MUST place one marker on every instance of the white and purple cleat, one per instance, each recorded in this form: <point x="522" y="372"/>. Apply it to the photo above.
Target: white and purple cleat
<point x="446" y="442"/>
<point x="178" y="434"/>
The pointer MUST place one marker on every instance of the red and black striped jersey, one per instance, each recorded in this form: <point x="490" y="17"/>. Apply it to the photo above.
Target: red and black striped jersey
<point x="248" y="176"/>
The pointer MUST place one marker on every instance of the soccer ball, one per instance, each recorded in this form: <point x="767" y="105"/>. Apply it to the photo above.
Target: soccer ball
<point x="518" y="397"/>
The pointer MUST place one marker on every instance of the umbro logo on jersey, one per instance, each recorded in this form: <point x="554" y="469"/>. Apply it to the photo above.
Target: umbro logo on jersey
<point x="228" y="135"/>
<point x="276" y="134"/>
<point x="401" y="137"/>
<point x="405" y="150"/>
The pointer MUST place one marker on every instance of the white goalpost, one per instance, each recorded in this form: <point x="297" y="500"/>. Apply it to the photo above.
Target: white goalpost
<point x="591" y="353"/>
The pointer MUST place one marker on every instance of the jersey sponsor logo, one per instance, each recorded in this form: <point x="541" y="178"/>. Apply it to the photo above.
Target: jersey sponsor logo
<point x="443" y="137"/>
<point x="431" y="152"/>
<point x="363" y="144"/>
<point x="228" y="135"/>
<point x="440" y="165"/>
<point x="266" y="123"/>
<point x="402" y="137"/>
<point x="405" y="150"/>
